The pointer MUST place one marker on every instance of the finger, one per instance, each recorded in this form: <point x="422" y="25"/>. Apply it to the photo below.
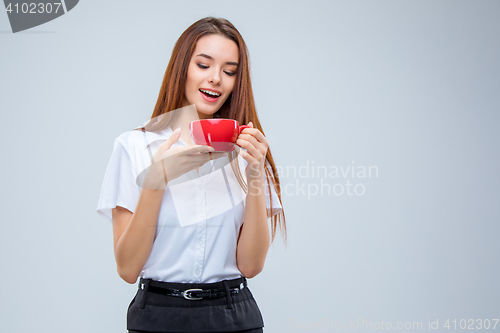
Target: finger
<point x="249" y="131"/>
<point x="251" y="149"/>
<point x="200" y="160"/>
<point x="217" y="155"/>
<point x="204" y="158"/>
<point x="198" y="149"/>
<point x="261" y="146"/>
<point x="171" y="140"/>
<point x="257" y="134"/>
<point x="249" y="138"/>
<point x="246" y="156"/>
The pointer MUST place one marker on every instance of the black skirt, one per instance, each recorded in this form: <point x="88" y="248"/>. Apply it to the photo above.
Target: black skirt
<point x="151" y="311"/>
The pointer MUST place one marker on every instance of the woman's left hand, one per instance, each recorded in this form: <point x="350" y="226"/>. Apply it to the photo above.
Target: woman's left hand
<point x="256" y="145"/>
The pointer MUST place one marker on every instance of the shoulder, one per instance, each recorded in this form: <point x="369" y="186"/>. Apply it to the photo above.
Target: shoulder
<point x="129" y="138"/>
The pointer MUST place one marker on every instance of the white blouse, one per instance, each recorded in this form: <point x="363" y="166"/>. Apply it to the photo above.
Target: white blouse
<point x="200" y="214"/>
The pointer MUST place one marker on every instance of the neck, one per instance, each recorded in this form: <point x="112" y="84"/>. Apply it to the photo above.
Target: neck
<point x="183" y="117"/>
<point x="205" y="116"/>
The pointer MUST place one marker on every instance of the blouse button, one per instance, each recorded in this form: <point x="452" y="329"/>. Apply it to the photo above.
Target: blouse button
<point x="201" y="187"/>
<point x="197" y="272"/>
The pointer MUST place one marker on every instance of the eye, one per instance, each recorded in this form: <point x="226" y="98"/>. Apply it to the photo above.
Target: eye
<point x="202" y="66"/>
<point x="230" y="73"/>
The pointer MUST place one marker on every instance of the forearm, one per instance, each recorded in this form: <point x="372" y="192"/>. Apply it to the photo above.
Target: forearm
<point x="134" y="246"/>
<point x="253" y="243"/>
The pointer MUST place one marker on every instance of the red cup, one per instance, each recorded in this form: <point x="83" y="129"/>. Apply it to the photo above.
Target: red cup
<point x="220" y="134"/>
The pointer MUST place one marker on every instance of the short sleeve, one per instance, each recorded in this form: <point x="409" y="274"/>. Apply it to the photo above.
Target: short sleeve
<point x="118" y="187"/>
<point x="276" y="205"/>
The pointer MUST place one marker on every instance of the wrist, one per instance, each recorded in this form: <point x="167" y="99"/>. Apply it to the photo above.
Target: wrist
<point x="255" y="171"/>
<point x="156" y="177"/>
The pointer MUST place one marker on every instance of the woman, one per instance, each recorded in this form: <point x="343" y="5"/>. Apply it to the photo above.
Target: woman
<point x="193" y="231"/>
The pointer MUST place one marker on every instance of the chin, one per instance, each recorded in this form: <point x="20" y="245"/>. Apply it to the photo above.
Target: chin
<point x="207" y="110"/>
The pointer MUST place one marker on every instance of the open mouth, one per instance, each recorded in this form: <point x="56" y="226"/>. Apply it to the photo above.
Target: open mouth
<point x="210" y="94"/>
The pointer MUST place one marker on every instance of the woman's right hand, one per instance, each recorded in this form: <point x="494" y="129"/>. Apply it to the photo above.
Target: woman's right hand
<point x="171" y="163"/>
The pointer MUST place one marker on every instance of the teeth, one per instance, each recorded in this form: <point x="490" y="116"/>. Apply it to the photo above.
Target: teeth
<point x="210" y="92"/>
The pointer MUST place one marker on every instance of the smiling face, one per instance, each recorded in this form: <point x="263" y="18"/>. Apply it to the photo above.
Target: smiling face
<point x="211" y="74"/>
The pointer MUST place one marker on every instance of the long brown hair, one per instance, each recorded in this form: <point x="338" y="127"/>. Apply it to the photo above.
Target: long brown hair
<point x="239" y="105"/>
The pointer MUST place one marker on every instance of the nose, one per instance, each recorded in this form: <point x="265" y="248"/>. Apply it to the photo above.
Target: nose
<point x="214" y="78"/>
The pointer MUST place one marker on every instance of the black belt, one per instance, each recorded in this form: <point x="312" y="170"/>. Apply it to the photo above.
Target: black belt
<point x="197" y="293"/>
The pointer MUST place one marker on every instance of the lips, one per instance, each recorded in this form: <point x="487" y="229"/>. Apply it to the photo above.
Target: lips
<point x="210" y="95"/>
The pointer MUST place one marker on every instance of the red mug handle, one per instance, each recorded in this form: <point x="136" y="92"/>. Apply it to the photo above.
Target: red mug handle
<point x="241" y="128"/>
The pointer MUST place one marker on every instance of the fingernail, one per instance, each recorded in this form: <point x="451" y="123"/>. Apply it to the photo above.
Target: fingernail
<point x="177" y="130"/>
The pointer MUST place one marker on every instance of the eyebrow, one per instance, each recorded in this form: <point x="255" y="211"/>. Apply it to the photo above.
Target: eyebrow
<point x="211" y="58"/>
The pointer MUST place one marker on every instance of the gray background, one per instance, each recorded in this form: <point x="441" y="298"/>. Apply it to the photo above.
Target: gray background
<point x="410" y="87"/>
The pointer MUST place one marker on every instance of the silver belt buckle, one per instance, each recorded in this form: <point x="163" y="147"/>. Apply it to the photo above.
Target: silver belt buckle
<point x="187" y="294"/>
